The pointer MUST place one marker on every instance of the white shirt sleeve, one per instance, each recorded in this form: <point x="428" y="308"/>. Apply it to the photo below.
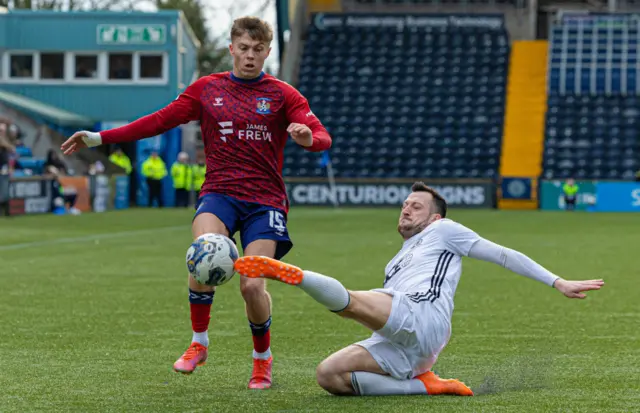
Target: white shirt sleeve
<point x="512" y="260"/>
<point x="456" y="237"/>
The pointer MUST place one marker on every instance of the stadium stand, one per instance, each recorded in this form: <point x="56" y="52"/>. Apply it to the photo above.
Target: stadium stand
<point x="16" y="159"/>
<point x="593" y="117"/>
<point x="432" y="2"/>
<point x="387" y="118"/>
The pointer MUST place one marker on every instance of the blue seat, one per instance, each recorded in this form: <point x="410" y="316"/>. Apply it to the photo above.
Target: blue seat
<point x="592" y="142"/>
<point x="19" y="173"/>
<point x="34" y="164"/>
<point x="387" y="118"/>
<point x="24" y="151"/>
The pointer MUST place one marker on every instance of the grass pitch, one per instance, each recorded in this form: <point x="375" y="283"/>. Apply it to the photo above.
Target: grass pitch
<point x="94" y="312"/>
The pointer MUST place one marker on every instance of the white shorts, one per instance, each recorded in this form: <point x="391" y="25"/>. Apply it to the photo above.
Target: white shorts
<point x="409" y="343"/>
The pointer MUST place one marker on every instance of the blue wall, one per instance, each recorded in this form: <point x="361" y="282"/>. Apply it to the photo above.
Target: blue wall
<point x="101" y="103"/>
<point x="78" y="32"/>
<point x="189" y="59"/>
<point x="42" y="30"/>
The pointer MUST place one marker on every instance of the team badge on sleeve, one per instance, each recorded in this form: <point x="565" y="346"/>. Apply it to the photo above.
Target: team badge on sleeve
<point x="264" y="107"/>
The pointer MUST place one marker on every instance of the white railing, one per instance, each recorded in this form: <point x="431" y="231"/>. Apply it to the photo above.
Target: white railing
<point x="605" y="50"/>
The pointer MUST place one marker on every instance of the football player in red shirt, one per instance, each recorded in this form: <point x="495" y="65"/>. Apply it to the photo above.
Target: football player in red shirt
<point x="246" y="117"/>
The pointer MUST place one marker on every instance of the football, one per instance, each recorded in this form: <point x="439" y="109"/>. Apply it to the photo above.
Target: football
<point x="210" y="259"/>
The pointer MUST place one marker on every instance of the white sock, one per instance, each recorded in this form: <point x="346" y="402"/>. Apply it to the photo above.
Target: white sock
<point x="325" y="290"/>
<point x="202" y="338"/>
<point x="371" y="384"/>
<point x="262" y="356"/>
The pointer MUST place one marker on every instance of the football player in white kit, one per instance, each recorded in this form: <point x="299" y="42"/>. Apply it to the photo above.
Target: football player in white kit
<point x="411" y="315"/>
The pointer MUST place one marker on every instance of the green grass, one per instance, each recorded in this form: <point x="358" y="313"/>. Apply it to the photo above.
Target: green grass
<point x="94" y="322"/>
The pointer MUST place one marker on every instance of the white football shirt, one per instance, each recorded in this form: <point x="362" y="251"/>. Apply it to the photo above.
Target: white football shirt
<point x="429" y="265"/>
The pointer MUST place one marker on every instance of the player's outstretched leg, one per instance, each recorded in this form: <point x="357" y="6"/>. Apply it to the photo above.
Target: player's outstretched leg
<point x="325" y="290"/>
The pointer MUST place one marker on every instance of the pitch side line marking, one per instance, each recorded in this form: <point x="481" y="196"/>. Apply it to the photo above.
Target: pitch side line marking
<point x="86" y="238"/>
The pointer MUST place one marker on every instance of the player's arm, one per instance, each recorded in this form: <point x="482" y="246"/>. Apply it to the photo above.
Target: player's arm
<point x="521" y="264"/>
<point x="185" y="108"/>
<point x="463" y="241"/>
<point x="304" y="127"/>
<point x="512" y="260"/>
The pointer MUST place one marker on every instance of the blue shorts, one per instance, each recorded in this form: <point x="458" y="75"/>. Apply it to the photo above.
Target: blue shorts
<point x="254" y="221"/>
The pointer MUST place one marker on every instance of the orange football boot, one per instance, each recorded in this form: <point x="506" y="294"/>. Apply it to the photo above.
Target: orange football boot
<point x="264" y="267"/>
<point x="437" y="386"/>
<point x="261" y="375"/>
<point x="196" y="355"/>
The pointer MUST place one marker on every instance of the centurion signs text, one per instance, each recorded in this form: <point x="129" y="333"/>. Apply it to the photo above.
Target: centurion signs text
<point x="457" y="194"/>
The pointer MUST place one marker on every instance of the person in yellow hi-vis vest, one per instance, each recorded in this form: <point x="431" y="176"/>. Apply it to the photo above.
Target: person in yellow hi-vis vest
<point x="199" y="172"/>
<point x="182" y="176"/>
<point x="120" y="159"/>
<point x="570" y="190"/>
<point x="154" y="169"/>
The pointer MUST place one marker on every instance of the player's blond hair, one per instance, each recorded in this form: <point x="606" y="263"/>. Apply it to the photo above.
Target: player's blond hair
<point x="255" y="27"/>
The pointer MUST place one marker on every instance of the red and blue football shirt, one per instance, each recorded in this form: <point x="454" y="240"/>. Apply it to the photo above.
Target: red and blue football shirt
<point x="244" y="129"/>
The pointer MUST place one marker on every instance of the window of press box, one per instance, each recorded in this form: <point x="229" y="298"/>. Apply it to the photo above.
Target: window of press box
<point x="21" y="65"/>
<point x="86" y="67"/>
<point x="120" y="66"/>
<point x="51" y="65"/>
<point x="151" y="66"/>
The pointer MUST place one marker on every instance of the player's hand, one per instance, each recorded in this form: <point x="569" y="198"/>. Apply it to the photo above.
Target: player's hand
<point x="576" y="289"/>
<point x="301" y="134"/>
<point x="80" y="140"/>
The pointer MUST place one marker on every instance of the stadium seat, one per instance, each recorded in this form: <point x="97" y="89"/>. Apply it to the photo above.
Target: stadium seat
<point x="410" y="102"/>
<point x="592" y="126"/>
<point x="590" y="144"/>
<point x="36" y="165"/>
<point x="24" y="151"/>
<point x="19" y="173"/>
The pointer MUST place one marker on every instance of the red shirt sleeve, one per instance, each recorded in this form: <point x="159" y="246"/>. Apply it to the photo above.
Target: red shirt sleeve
<point x="183" y="109"/>
<point x="298" y="111"/>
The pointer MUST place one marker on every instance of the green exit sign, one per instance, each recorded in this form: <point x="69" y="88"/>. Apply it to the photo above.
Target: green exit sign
<point x="132" y="34"/>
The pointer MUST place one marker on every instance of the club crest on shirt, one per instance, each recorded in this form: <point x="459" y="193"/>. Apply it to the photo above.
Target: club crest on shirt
<point x="263" y="107"/>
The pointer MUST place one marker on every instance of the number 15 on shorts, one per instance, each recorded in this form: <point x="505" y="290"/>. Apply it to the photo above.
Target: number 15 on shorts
<point x="276" y="221"/>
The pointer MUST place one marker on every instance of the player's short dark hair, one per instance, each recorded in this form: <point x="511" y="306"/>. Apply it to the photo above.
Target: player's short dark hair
<point x="438" y="201"/>
<point x="255" y="27"/>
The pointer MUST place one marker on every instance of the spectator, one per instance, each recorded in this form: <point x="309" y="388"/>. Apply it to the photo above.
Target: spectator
<point x="199" y="172"/>
<point x="96" y="168"/>
<point x="53" y="159"/>
<point x="182" y="176"/>
<point x="63" y="197"/>
<point x="570" y="190"/>
<point x="5" y="168"/>
<point x="14" y="134"/>
<point x="7" y="151"/>
<point x="154" y="169"/>
<point x="119" y="158"/>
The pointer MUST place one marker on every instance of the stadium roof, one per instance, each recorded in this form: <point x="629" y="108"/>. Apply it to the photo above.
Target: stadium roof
<point x="58" y="116"/>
